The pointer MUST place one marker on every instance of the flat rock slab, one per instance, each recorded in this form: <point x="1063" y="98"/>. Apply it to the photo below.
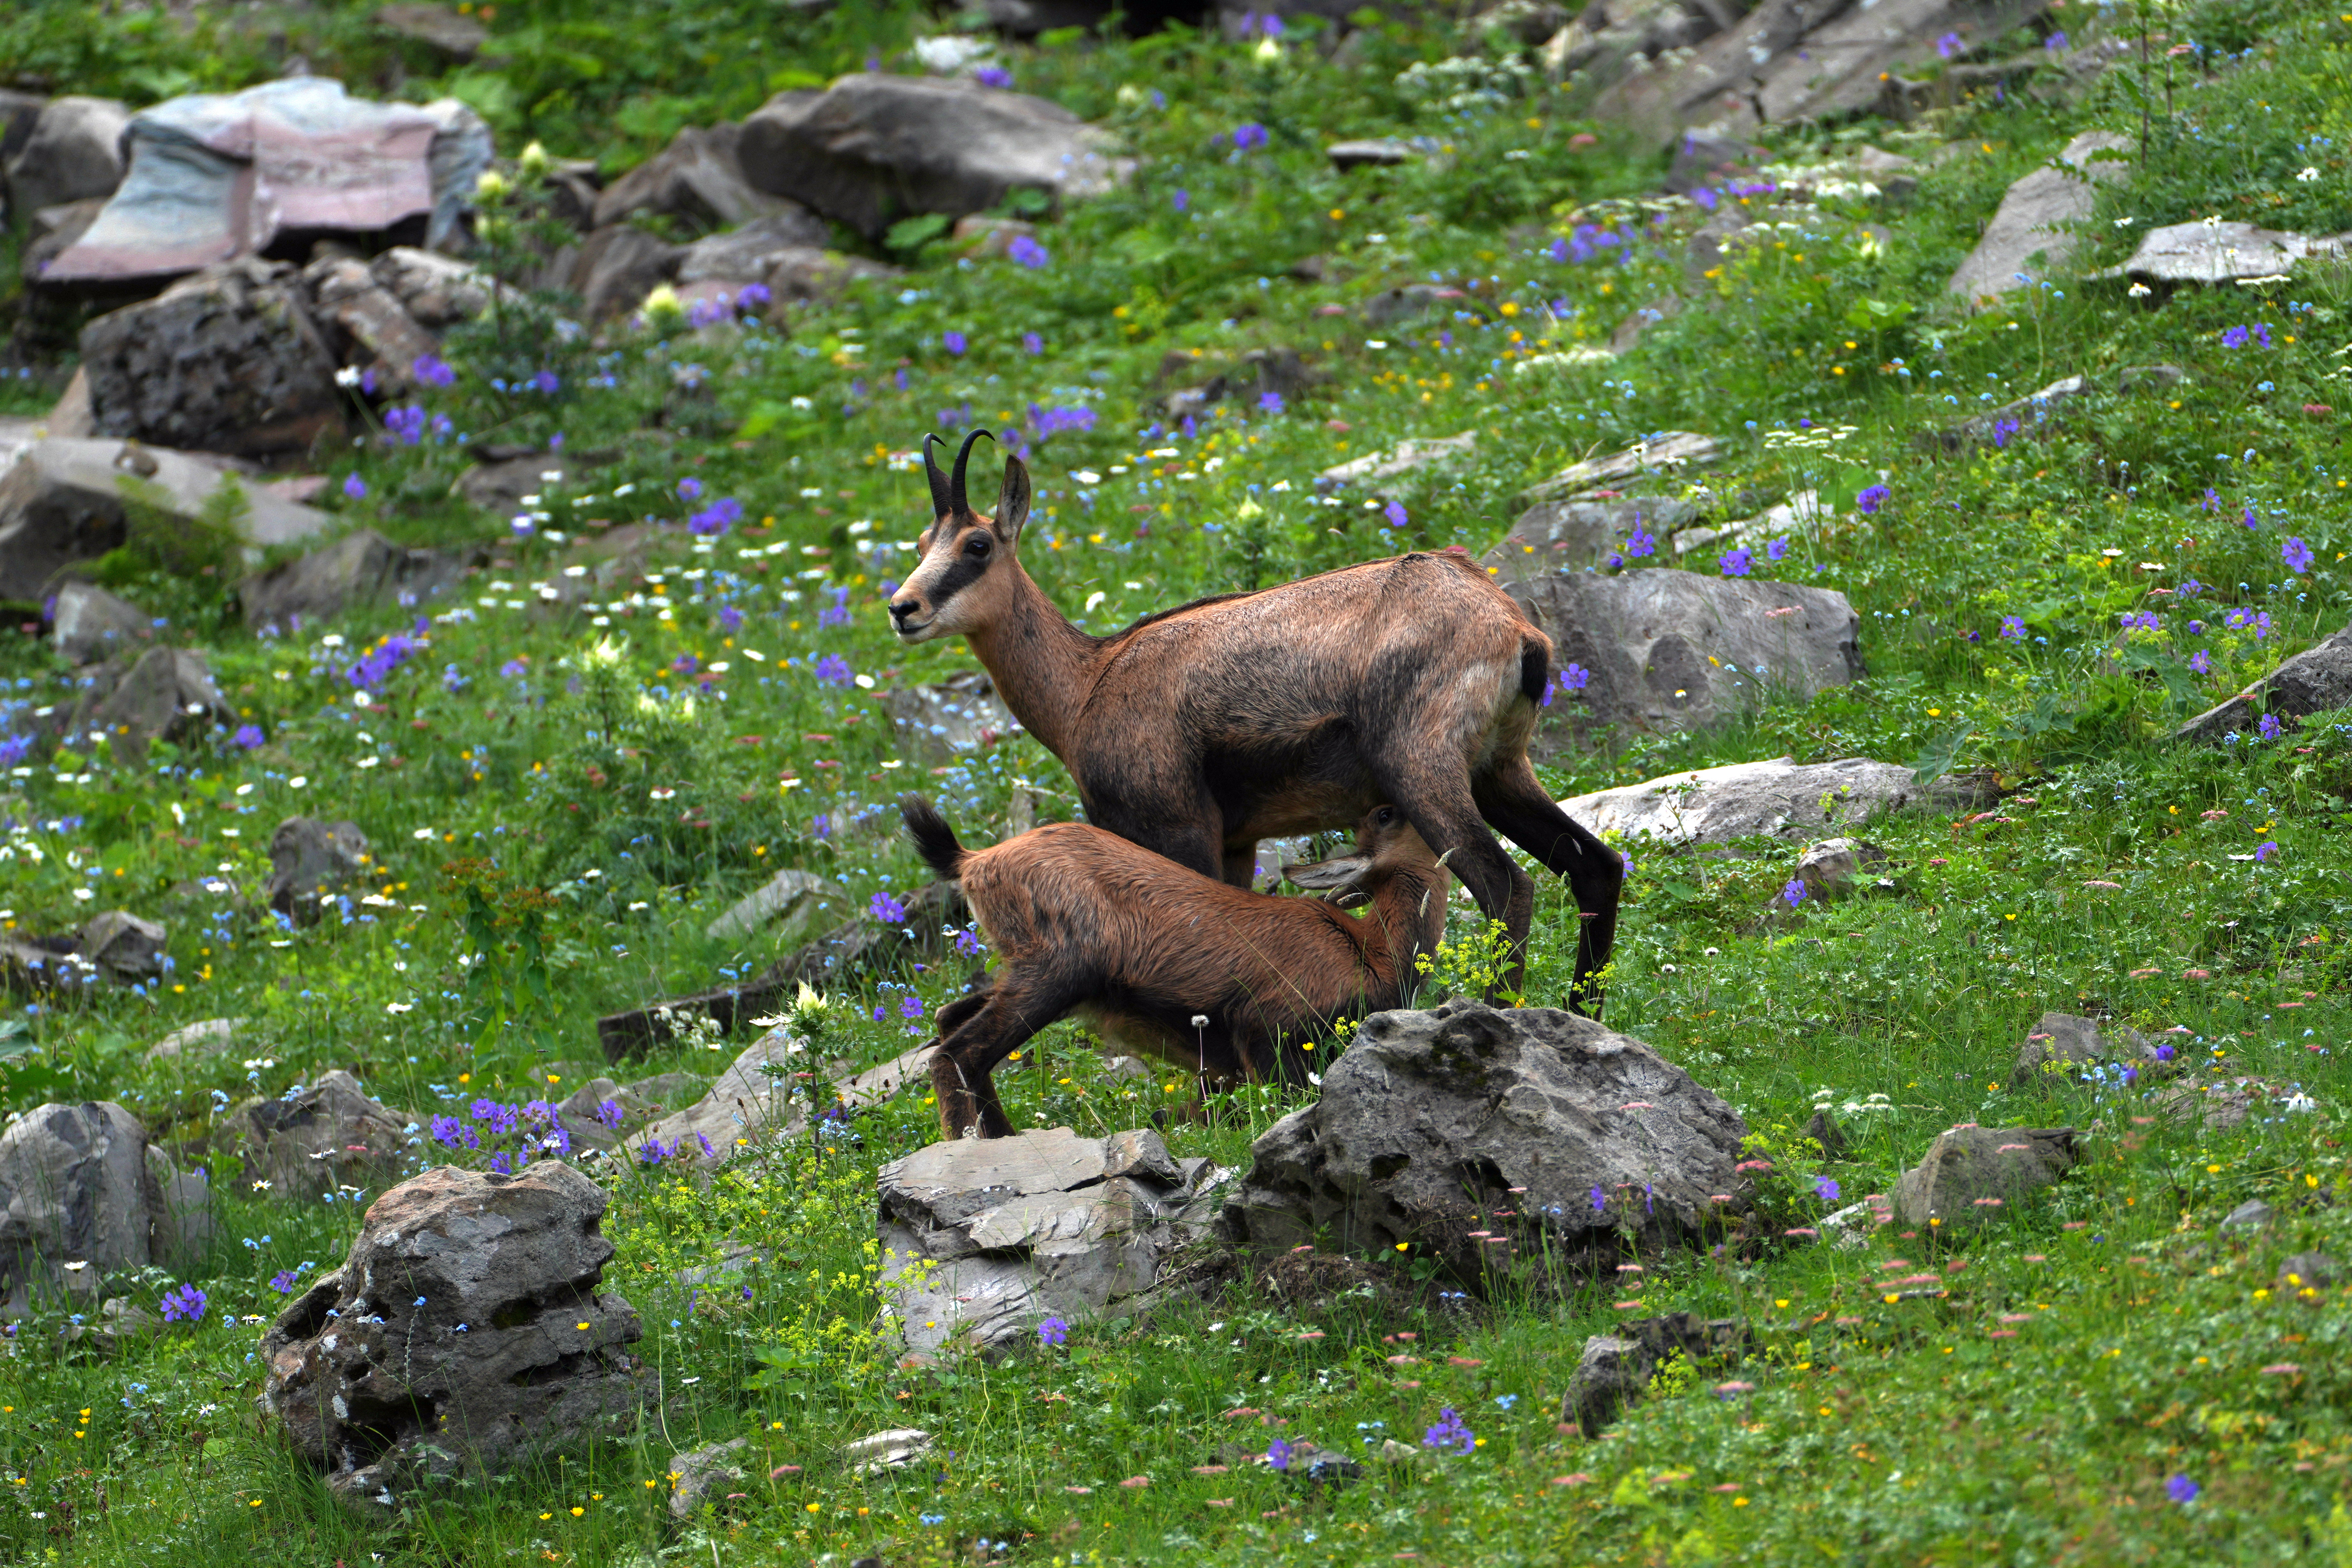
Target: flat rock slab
<point x="752" y="1102"/>
<point x="1662" y="652"/>
<point x="1669" y="451"/>
<point x="1778" y="799"/>
<point x="2028" y="233"/>
<point x="212" y="176"/>
<point x="1430" y="1121"/>
<point x="790" y="905"/>
<point x="1976" y="1175"/>
<point x="361" y="569"/>
<point x="872" y="149"/>
<point x="1407" y="457"/>
<point x="2223" y="253"/>
<point x="2313" y="681"/>
<point x="983" y="1238"/>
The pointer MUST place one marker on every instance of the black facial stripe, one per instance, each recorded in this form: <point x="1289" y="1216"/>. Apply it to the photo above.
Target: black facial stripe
<point x="962" y="573"/>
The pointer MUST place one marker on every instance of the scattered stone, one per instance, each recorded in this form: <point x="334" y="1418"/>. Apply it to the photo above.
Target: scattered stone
<point x="123" y="946"/>
<point x="1410" y="302"/>
<point x="698" y="178"/>
<point x="2252" y="1215"/>
<point x="360" y="571"/>
<point x="698" y="1470"/>
<point x="73" y="152"/>
<point x="762" y="1095"/>
<point x="1670" y="450"/>
<point x="328" y="1138"/>
<point x="1279" y="371"/>
<point x="1409" y="456"/>
<point x="1378" y="152"/>
<point x="1661" y="650"/>
<point x="894" y="1449"/>
<point x="2149" y="378"/>
<point x="2309" y="1271"/>
<point x="2223" y="253"/>
<point x="63" y="503"/>
<point x="1824" y="1130"/>
<point x="948" y="720"/>
<point x="364" y="323"/>
<point x="226" y="361"/>
<point x="436" y="27"/>
<point x="1995" y="426"/>
<point x="873" y="149"/>
<point x="1849" y="1229"/>
<point x="2033" y="230"/>
<point x="216" y="176"/>
<point x="122" y="1324"/>
<point x="1406" y="1144"/>
<point x="499" y="484"/>
<point x="311" y="862"/>
<point x="746" y="255"/>
<point x="796" y="903"/>
<point x="164" y="694"/>
<point x="87" y="624"/>
<point x="1974" y="1175"/>
<point x="210" y="1038"/>
<point x="437" y="292"/>
<point x="2218" y="1107"/>
<point x="1571" y="535"/>
<point x="1778" y="799"/>
<point x="983" y="1238"/>
<point x="1615" y="1368"/>
<point x="2313" y="681"/>
<point x="2060" y="1041"/>
<point x="821" y="277"/>
<point x="74" y="1189"/>
<point x="451" y="1338"/>
<point x="1833" y="869"/>
<point x="619" y="266"/>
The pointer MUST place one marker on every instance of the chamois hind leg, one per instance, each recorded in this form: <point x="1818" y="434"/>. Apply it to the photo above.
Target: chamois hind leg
<point x="962" y="1067"/>
<point x="1187" y="829"/>
<point x="1443" y="810"/>
<point x="1515" y="800"/>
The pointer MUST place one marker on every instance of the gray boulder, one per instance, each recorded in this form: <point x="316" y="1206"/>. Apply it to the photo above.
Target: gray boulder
<point x="791" y="906"/>
<point x="1405" y="457"/>
<point x="87" y="624"/>
<point x="1778" y="799"/>
<point x="437" y="292"/>
<point x="361" y="569"/>
<point x="2019" y="415"/>
<point x="329" y="1137"/>
<point x="1432" y="1122"/>
<point x="20" y="115"/>
<point x="700" y="1471"/>
<point x="2314" y="681"/>
<point x="134" y="701"/>
<point x="1974" y="1175"/>
<point x="364" y="323"/>
<point x="2060" y="1041"/>
<point x="2031" y="230"/>
<point x="311" y="861"/>
<point x="1615" y="1368"/>
<point x="73" y="152"/>
<point x="1668" y="452"/>
<point x="872" y="149"/>
<point x="1836" y="869"/>
<point x="180" y="1226"/>
<point x="1570" y="535"/>
<point x="619" y="266"/>
<point x="982" y="1238"/>
<point x="464" y="1331"/>
<point x="123" y="946"/>
<point x="2307" y="1273"/>
<point x="75" y="1189"/>
<point x="1664" y="651"/>
<point x="207" y="1037"/>
<point x="216" y="176"/>
<point x="746" y="255"/>
<point x="699" y="178"/>
<point x="66" y="500"/>
<point x="438" y="27"/>
<point x="949" y="720"/>
<point x="226" y="361"/>
<point x="2223" y="253"/>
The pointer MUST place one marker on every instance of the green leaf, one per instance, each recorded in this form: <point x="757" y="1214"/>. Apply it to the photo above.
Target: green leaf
<point x="914" y="232"/>
<point x="1871" y="315"/>
<point x="1936" y="759"/>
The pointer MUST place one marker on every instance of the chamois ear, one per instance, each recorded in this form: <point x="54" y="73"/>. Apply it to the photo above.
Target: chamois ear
<point x="1339" y="871"/>
<point x="1012" y="501"/>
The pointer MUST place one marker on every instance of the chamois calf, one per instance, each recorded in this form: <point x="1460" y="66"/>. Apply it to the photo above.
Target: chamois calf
<point x="1086" y="922"/>
<point x="1195" y="732"/>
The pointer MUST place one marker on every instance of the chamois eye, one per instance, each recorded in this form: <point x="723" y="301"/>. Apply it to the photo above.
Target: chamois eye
<point x="1385" y="816"/>
<point x="977" y="547"/>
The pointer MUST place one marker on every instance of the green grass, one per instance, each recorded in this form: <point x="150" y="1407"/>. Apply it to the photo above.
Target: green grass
<point x="508" y="778"/>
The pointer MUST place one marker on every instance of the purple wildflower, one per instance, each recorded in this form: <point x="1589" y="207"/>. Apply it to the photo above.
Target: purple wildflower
<point x="1794" y="892"/>
<point x="184" y="1305"/>
<point x="1248" y="134"/>
<point x="2055" y="42"/>
<point x="1395" y="512"/>
<point x="2182" y="1490"/>
<point x="1278" y="1454"/>
<point x="1054" y="1332"/>
<point x="834" y="671"/>
<point x="355" y="487"/>
<point x="609" y="1112"/>
<point x="1869" y="500"/>
<point x="2268" y="728"/>
<point x="406" y="423"/>
<point x="2297" y="555"/>
<point x="1575" y="678"/>
<point x="837" y="614"/>
<point x="954" y="343"/>
<point x="690" y="488"/>
<point x="1950" y="46"/>
<point x="968" y="943"/>
<point x="2202" y="661"/>
<point x="1825" y="1189"/>
<point x="284" y="1281"/>
<point x="1269" y="403"/>
<point x="1028" y="252"/>
<point x="730" y="619"/>
<point x="432" y="370"/>
<point x="1180" y="198"/>
<point x="248" y="736"/>
<point x="1777" y="549"/>
<point x="1642" y="542"/>
<point x="1030" y="344"/>
<point x="1449" y="1435"/>
<point x="2003" y="430"/>
<point x="2266" y="850"/>
<point x="547" y="381"/>
<point x="753" y="295"/>
<point x="1737" y="563"/>
<point x="887" y="909"/>
<point x="993" y="75"/>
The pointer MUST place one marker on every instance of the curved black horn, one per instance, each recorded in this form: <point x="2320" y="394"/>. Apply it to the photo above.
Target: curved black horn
<point x="956" y="497"/>
<point x="938" y="480"/>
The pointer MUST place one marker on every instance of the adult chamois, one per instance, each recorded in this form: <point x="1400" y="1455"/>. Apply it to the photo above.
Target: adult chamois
<point x="1199" y="731"/>
<point x="1230" y="984"/>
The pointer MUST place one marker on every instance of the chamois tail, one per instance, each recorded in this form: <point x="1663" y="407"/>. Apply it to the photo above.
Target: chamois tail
<point x="934" y="839"/>
<point x="1534" y="667"/>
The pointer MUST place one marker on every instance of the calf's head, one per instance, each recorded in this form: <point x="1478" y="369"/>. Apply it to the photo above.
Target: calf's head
<point x="968" y="561"/>
<point x="1386" y="844"/>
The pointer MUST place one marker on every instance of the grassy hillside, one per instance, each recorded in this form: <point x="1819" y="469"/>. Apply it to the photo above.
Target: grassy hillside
<point x="568" y="768"/>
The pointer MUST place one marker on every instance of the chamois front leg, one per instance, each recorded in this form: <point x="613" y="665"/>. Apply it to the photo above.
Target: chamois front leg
<point x="1516" y="801"/>
<point x="1444" y="813"/>
<point x="971" y="1044"/>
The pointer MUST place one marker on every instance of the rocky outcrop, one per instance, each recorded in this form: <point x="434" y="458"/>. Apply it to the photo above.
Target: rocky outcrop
<point x="1471" y="1135"/>
<point x="1557" y="536"/>
<point x="2032" y="231"/>
<point x="1657" y="651"/>
<point x="464" y="1331"/>
<point x="872" y="149"/>
<point x="1615" y="1368"/>
<point x="72" y="152"/>
<point x="1780" y="799"/>
<point x="983" y="1238"/>
<point x="361" y="569"/>
<point x="2313" y="681"/>
<point x="77" y="1200"/>
<point x="2212" y="253"/>
<point x="699" y="178"/>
